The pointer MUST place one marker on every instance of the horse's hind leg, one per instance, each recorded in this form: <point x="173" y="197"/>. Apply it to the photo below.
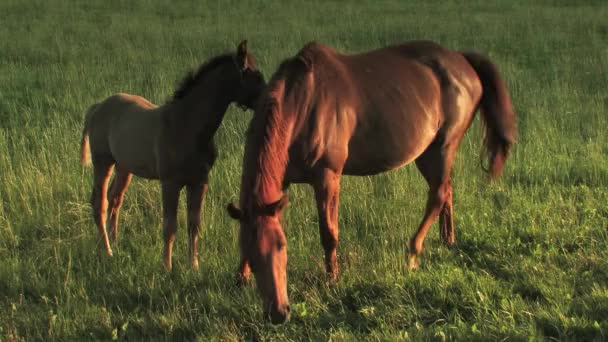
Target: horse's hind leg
<point x="170" y="194"/>
<point x="195" y="198"/>
<point x="119" y="186"/>
<point x="435" y="165"/>
<point x="327" y="195"/>
<point x="446" y="219"/>
<point x="102" y="172"/>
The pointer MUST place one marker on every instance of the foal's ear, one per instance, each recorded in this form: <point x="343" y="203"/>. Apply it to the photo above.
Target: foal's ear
<point x="235" y="212"/>
<point x="277" y="207"/>
<point x="241" y="55"/>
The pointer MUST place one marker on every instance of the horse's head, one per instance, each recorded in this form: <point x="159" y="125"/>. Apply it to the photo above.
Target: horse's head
<point x="251" y="82"/>
<point x="264" y="245"/>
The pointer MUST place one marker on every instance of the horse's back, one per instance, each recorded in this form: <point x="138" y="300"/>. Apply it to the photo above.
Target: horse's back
<point x="395" y="98"/>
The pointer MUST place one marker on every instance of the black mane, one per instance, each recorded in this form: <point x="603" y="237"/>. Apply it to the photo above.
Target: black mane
<point x="193" y="78"/>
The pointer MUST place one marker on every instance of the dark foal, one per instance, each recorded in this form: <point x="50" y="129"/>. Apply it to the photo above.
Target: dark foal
<point x="172" y="143"/>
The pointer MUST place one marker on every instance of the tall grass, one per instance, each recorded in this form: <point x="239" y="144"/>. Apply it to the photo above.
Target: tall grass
<point x="530" y="261"/>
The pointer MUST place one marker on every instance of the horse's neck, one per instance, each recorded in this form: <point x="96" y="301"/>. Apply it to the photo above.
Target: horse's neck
<point x="273" y="158"/>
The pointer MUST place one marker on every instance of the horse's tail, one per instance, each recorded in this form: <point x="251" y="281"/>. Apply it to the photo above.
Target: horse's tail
<point x="85" y="151"/>
<point x="500" y="129"/>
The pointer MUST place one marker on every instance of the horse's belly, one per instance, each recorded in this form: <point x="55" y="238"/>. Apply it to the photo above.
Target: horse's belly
<point x="374" y="164"/>
<point x="388" y="149"/>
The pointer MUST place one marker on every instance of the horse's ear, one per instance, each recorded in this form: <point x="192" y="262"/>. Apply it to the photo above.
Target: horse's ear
<point x="241" y="55"/>
<point x="277" y="207"/>
<point x="235" y="212"/>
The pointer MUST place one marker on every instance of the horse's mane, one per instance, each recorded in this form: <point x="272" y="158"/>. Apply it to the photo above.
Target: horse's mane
<point x="269" y="132"/>
<point x="192" y="78"/>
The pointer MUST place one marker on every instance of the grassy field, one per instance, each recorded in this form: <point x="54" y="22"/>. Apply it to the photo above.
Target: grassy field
<point x="531" y="259"/>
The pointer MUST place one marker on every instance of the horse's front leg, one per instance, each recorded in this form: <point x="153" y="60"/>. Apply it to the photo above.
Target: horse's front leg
<point x="195" y="198"/>
<point x="327" y="195"/>
<point x="170" y="193"/>
<point x="243" y="276"/>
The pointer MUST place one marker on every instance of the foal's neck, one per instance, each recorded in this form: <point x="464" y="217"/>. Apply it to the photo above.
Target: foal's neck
<point x="203" y="108"/>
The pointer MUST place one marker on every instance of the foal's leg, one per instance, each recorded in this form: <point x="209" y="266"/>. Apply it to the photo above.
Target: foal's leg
<point x="119" y="186"/>
<point x="435" y="165"/>
<point x="327" y="195"/>
<point x="102" y="172"/>
<point x="170" y="193"/>
<point x="195" y="198"/>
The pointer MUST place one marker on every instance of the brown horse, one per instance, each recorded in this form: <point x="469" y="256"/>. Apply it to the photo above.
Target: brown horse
<point x="173" y="143"/>
<point x="325" y="114"/>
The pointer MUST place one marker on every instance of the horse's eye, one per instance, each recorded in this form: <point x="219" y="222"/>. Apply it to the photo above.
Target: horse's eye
<point x="280" y="245"/>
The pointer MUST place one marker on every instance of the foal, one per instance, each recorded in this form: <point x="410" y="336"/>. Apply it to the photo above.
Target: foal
<point x="172" y="143"/>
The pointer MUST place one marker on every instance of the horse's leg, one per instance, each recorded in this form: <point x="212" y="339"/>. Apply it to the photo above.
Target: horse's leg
<point x="446" y="219"/>
<point x="170" y="193"/>
<point x="327" y="195"/>
<point x="119" y="186"/>
<point x="243" y="276"/>
<point x="195" y="198"/>
<point x="102" y="172"/>
<point x="435" y="165"/>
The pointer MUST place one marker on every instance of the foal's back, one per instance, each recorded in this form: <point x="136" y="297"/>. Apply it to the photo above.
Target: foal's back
<point x="125" y="128"/>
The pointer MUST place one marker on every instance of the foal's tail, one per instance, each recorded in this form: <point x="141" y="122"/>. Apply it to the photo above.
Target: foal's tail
<point x="500" y="131"/>
<point x="85" y="152"/>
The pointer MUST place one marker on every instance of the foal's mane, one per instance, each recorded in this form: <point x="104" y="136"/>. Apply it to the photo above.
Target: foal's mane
<point x="193" y="78"/>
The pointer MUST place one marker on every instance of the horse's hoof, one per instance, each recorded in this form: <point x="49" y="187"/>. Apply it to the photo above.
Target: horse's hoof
<point x="448" y="239"/>
<point x="110" y="252"/>
<point x="449" y="243"/>
<point x="413" y="263"/>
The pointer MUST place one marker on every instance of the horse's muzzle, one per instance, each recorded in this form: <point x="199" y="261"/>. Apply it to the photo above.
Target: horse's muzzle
<point x="279" y="315"/>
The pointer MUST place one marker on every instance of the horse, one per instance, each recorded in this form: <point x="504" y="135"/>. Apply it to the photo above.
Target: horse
<point x="172" y="143"/>
<point x="325" y="114"/>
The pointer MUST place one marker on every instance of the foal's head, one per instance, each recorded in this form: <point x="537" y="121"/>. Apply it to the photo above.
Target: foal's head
<point x="234" y="76"/>
<point x="251" y="82"/>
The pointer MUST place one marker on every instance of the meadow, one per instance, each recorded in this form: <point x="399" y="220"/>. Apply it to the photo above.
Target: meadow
<point x="531" y="257"/>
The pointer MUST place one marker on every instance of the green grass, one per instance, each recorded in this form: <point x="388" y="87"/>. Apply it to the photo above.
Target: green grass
<point x="530" y="262"/>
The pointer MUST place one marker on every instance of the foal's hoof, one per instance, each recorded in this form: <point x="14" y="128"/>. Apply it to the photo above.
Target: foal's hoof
<point x="333" y="277"/>
<point x="243" y="280"/>
<point x="413" y="263"/>
<point x="167" y="266"/>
